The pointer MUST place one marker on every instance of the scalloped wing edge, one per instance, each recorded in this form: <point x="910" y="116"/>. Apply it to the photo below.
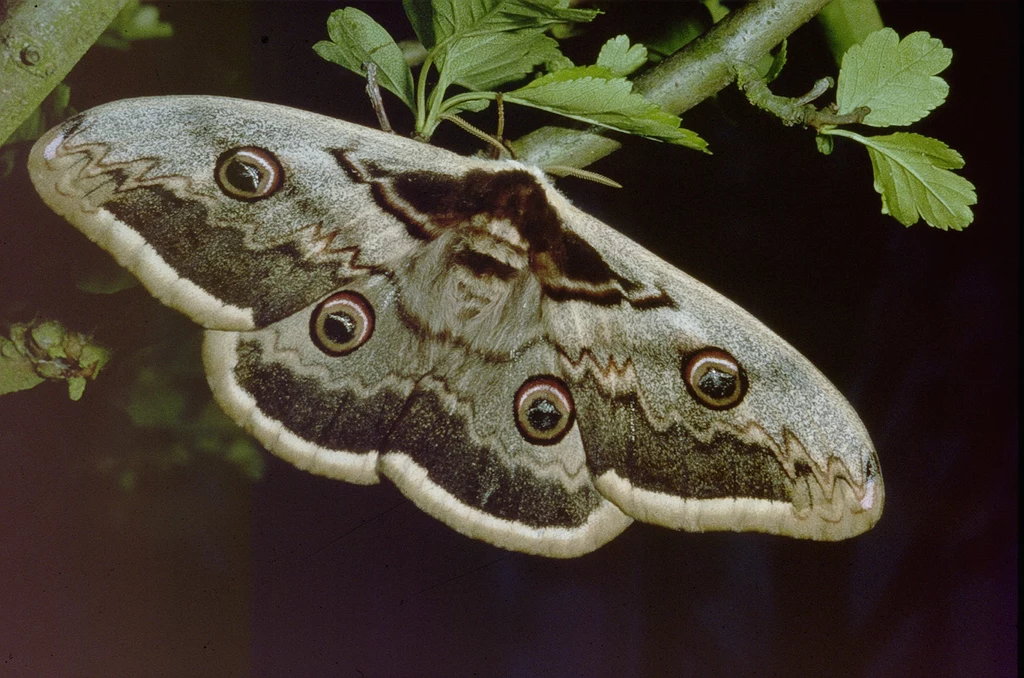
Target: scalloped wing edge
<point x="127" y="246"/>
<point x="220" y="359"/>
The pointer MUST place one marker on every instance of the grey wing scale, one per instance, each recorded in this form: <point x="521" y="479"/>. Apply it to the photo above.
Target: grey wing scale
<point x="379" y="307"/>
<point x="139" y="177"/>
<point x="791" y="457"/>
<point x="431" y="418"/>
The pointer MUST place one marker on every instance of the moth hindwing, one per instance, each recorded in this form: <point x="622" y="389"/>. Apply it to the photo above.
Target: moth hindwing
<point x="376" y="307"/>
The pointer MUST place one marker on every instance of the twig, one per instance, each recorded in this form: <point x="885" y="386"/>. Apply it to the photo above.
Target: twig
<point x="696" y="72"/>
<point x="373" y="91"/>
<point x="796" y="111"/>
<point x="39" y="43"/>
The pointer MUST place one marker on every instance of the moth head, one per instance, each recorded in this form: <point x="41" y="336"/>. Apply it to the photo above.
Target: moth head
<point x="544" y="410"/>
<point x="248" y="173"/>
<point x="715" y="378"/>
<point x="341" y="323"/>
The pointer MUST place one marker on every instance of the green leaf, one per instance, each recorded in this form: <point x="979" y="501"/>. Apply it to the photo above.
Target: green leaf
<point x="458" y="19"/>
<point x="421" y="16"/>
<point x="94" y="357"/>
<point x="912" y="174"/>
<point x="76" y="387"/>
<point x="895" y="78"/>
<point x="356" y="39"/>
<point x="824" y="143"/>
<point x="17" y="372"/>
<point x="176" y="424"/>
<point x="482" y="44"/>
<point x="592" y="94"/>
<point x="679" y="30"/>
<point x="52" y="110"/>
<point x="559" y="63"/>
<point x="214" y="433"/>
<point x="48" y="337"/>
<point x="471" y="105"/>
<point x="484" y="62"/>
<point x="620" y="58"/>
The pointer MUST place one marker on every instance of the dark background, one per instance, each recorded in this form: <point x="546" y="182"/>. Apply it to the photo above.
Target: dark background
<point x="199" y="571"/>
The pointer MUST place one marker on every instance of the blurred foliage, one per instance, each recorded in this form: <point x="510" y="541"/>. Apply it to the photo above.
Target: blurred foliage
<point x="106" y="278"/>
<point x="174" y="422"/>
<point x="170" y="421"/>
<point x="135" y="22"/>
<point x="46" y="350"/>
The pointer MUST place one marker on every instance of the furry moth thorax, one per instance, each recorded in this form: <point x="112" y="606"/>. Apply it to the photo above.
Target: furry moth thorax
<point x="376" y="306"/>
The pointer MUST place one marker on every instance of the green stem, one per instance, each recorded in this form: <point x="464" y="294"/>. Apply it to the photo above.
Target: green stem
<point x="795" y="111"/>
<point x="835" y="132"/>
<point x="696" y="72"/>
<point x="435" y="103"/>
<point x="421" y="92"/>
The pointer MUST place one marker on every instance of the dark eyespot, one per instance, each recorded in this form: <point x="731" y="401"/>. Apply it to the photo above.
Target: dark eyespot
<point x="248" y="173"/>
<point x="341" y="323"/>
<point x="715" y="379"/>
<point x="544" y="410"/>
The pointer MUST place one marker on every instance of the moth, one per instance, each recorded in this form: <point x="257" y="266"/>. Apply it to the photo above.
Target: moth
<point x="378" y="307"/>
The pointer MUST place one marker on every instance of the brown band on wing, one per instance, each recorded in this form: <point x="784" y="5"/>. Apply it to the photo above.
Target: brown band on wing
<point x="479" y="476"/>
<point x="674" y="460"/>
<point x="197" y="249"/>
<point x="483" y="265"/>
<point x="332" y="417"/>
<point x="568" y="267"/>
<point x="360" y="171"/>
